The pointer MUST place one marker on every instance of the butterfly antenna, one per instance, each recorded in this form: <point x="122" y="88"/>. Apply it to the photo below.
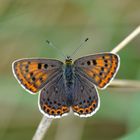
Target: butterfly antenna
<point x="81" y="45"/>
<point x="53" y="46"/>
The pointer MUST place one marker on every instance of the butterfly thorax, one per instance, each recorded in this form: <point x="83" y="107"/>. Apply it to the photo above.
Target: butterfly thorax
<point x="69" y="80"/>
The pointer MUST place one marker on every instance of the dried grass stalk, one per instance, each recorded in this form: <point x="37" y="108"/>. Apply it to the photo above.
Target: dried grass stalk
<point x="46" y="122"/>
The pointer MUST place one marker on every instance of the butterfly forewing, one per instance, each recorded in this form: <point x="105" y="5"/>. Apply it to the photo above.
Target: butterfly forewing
<point x="53" y="99"/>
<point x="33" y="74"/>
<point x="86" y="101"/>
<point x="99" y="68"/>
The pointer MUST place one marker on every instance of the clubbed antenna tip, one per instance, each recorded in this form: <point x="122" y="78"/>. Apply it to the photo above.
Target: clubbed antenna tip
<point x="48" y="41"/>
<point x="86" y="39"/>
<point x="53" y="46"/>
<point x="81" y="45"/>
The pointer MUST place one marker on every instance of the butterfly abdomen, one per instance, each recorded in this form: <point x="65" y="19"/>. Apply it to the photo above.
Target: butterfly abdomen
<point x="69" y="82"/>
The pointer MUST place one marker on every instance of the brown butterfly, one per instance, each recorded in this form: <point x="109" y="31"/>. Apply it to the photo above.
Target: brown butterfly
<point x="67" y="85"/>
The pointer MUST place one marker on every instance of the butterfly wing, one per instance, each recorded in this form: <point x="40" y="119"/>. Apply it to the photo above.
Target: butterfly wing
<point x="52" y="99"/>
<point x="86" y="101"/>
<point x="99" y="69"/>
<point x="33" y="74"/>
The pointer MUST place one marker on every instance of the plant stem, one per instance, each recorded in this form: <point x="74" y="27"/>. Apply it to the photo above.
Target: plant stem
<point x="126" y="40"/>
<point x="46" y="122"/>
<point x="42" y="128"/>
<point x="117" y="83"/>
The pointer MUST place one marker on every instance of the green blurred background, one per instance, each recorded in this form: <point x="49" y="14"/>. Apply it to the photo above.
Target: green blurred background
<point x="24" y="27"/>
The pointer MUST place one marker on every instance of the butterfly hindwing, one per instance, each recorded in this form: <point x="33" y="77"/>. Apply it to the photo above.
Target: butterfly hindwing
<point x="99" y="68"/>
<point x="86" y="101"/>
<point x="52" y="99"/>
<point x="33" y="74"/>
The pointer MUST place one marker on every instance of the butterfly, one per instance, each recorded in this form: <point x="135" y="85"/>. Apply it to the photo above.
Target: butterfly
<point x="68" y="85"/>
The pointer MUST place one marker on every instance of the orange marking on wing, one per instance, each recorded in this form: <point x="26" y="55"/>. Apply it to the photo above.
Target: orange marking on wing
<point x="105" y="70"/>
<point x="44" y="77"/>
<point x="24" y="63"/>
<point x="86" y="110"/>
<point x="90" y="73"/>
<point x="30" y="68"/>
<point x="38" y="83"/>
<point x="96" y="71"/>
<point x="109" y="75"/>
<point x="102" y="84"/>
<point x="33" y="67"/>
<point x="21" y="78"/>
<point x="28" y="76"/>
<point x="39" y="74"/>
<point x="36" y="73"/>
<point x="54" y="112"/>
<point x="100" y="62"/>
<point x="107" y="57"/>
<point x="103" y="75"/>
<point x="97" y="79"/>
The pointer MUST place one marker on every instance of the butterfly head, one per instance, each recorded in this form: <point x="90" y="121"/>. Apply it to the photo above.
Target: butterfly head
<point x="68" y="60"/>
